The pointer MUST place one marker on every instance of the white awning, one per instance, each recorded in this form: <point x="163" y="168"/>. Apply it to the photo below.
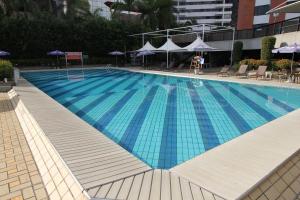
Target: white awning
<point x="199" y="45"/>
<point x="290" y="8"/>
<point x="169" y="46"/>
<point x="147" y="47"/>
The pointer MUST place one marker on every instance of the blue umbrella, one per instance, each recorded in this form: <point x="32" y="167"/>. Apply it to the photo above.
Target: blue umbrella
<point x="4" y="53"/>
<point x="116" y="53"/>
<point x="56" y="53"/>
<point x="145" y="53"/>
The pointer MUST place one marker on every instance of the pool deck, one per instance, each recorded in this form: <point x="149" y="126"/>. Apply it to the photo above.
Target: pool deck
<point x="229" y="171"/>
<point x="19" y="175"/>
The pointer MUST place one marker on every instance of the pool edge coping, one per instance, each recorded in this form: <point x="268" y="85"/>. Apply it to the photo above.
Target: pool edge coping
<point x="266" y="176"/>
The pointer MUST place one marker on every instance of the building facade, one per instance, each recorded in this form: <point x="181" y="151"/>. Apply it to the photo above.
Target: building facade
<point x="252" y="13"/>
<point x="99" y="5"/>
<point x="218" y="12"/>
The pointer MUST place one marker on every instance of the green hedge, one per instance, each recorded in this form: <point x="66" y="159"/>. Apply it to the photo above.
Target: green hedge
<point x="6" y="70"/>
<point x="30" y="38"/>
<point x="267" y="45"/>
<point x="237" y="52"/>
<point x="253" y="63"/>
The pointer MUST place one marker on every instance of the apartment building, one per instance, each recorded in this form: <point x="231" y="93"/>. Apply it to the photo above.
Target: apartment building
<point x="252" y="13"/>
<point x="104" y="11"/>
<point x="218" y="12"/>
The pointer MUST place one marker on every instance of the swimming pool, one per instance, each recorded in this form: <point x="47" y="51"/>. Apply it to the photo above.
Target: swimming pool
<point x="164" y="120"/>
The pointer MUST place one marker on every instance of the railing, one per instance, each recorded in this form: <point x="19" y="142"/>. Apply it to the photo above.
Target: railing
<point x="291" y="25"/>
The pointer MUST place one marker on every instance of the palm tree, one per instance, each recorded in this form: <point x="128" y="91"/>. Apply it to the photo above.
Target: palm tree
<point x="156" y="13"/>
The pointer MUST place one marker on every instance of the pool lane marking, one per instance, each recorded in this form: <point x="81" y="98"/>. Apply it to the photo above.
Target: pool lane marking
<point x="208" y="133"/>
<point x="98" y="100"/>
<point x="101" y="123"/>
<point x="131" y="85"/>
<point x="57" y="95"/>
<point x="81" y="95"/>
<point x="261" y="111"/>
<point x="83" y="111"/>
<point x="132" y="131"/>
<point x="78" y="83"/>
<point x="235" y="117"/>
<point x="54" y="75"/>
<point x="168" y="146"/>
<point x="274" y="100"/>
<point x="62" y="89"/>
<point x="50" y="88"/>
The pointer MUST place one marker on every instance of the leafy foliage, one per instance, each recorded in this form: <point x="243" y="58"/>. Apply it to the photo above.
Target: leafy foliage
<point x="237" y="52"/>
<point x="253" y="63"/>
<point x="285" y="64"/>
<point x="268" y="44"/>
<point x="29" y="38"/>
<point x="6" y="69"/>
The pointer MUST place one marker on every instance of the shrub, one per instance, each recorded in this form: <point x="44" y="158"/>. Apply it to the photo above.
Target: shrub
<point x="260" y="62"/>
<point x="253" y="64"/>
<point x="237" y="52"/>
<point x="6" y="69"/>
<point x="285" y="64"/>
<point x="267" y="45"/>
<point x="250" y="62"/>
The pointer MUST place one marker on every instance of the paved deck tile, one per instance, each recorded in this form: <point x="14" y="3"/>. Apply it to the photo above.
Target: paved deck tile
<point x="19" y="176"/>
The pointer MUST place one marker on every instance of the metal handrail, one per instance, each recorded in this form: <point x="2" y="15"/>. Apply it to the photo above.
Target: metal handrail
<point x="261" y="31"/>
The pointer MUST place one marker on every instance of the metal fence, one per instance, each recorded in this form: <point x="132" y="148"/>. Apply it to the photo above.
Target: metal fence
<point x="286" y="26"/>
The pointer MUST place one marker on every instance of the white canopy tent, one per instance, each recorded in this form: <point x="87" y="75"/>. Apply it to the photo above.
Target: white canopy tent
<point x="199" y="45"/>
<point x="147" y="47"/>
<point x="169" y="46"/>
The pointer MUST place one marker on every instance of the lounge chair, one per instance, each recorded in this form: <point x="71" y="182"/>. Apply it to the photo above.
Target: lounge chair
<point x="260" y="72"/>
<point x="224" y="71"/>
<point x="242" y="70"/>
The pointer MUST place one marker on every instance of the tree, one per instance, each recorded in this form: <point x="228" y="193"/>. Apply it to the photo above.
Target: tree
<point x="267" y="45"/>
<point x="156" y="13"/>
<point x="237" y="52"/>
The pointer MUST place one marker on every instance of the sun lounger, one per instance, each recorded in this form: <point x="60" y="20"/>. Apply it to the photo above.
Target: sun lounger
<point x="260" y="72"/>
<point x="242" y="70"/>
<point x="224" y="71"/>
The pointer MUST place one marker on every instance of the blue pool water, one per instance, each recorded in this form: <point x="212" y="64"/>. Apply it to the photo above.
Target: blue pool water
<point x="164" y="120"/>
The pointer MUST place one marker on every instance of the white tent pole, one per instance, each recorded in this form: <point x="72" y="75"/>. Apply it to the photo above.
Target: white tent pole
<point x="167" y="50"/>
<point x="232" y="45"/>
<point x="203" y="32"/>
<point x="143" y="40"/>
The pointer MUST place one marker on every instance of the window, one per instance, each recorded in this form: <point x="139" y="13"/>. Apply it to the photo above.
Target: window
<point x="261" y="10"/>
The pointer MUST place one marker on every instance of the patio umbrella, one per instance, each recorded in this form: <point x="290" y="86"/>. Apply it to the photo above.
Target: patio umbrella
<point x="56" y="53"/>
<point x="4" y="53"/>
<point x="145" y="53"/>
<point x="295" y="48"/>
<point x="116" y="53"/>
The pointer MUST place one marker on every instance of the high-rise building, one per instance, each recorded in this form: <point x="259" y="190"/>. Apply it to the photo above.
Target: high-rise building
<point x="218" y="12"/>
<point x="104" y="10"/>
<point x="252" y="13"/>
